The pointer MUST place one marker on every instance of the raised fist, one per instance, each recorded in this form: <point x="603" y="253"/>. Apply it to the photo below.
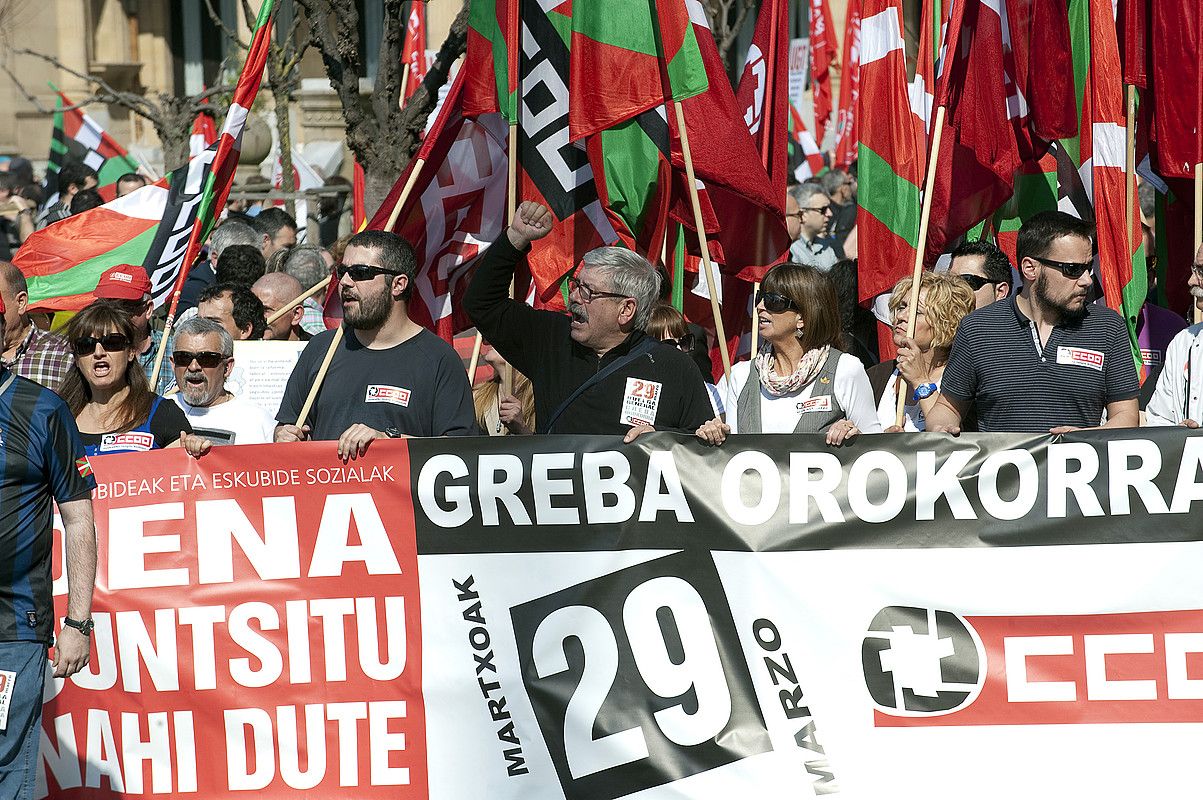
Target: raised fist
<point x="531" y="222"/>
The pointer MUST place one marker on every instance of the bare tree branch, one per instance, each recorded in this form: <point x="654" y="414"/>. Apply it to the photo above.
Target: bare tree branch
<point x="224" y="28"/>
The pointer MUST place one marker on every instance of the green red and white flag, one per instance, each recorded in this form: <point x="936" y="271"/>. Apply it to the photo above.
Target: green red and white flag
<point x="823" y="53"/>
<point x="846" y="114"/>
<point x="889" y="166"/>
<point x="159" y="227"/>
<point x="1007" y="90"/>
<point x="491" y="58"/>
<point x="204" y="133"/>
<point x="78" y="137"/>
<point x="413" y="53"/>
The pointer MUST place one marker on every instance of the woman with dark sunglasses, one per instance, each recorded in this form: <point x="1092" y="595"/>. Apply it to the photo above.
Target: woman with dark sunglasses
<point x="107" y="390"/>
<point x="800" y="381"/>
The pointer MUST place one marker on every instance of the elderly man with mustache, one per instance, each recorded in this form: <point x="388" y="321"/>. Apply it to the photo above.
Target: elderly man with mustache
<point x="594" y="370"/>
<point x="1178" y="399"/>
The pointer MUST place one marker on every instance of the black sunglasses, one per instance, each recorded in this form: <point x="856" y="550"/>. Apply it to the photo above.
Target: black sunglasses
<point x="1070" y="269"/>
<point x="977" y="281"/>
<point x="206" y="358"/>
<point x="111" y="342"/>
<point x="684" y="343"/>
<point x="774" y="303"/>
<point x="363" y="272"/>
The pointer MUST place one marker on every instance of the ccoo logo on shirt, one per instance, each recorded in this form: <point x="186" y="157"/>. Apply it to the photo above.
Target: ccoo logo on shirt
<point x="396" y="395"/>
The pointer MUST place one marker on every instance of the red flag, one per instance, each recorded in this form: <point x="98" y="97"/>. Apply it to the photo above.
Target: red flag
<point x="204" y="133"/>
<point x="1134" y="34"/>
<point x="1177" y="81"/>
<point x="764" y="90"/>
<point x="823" y="53"/>
<point x="413" y="54"/>
<point x="748" y="220"/>
<point x="988" y="130"/>
<point x="845" y="124"/>
<point x="454" y="210"/>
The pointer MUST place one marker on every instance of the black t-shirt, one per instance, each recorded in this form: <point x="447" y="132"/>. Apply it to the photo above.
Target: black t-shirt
<point x="419" y="387"/>
<point x="165" y="423"/>
<point x="1018" y="386"/>
<point x="662" y="388"/>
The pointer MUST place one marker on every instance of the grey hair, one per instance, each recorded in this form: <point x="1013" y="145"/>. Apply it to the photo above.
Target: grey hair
<point x="232" y="232"/>
<point x="832" y="180"/>
<point x="630" y="275"/>
<point x="305" y="263"/>
<point x="804" y="191"/>
<point x="198" y="326"/>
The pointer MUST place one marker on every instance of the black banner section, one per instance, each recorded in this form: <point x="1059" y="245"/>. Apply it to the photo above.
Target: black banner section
<point x="769" y="493"/>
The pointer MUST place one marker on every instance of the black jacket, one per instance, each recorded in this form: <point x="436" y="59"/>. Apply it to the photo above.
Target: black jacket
<point x="538" y="344"/>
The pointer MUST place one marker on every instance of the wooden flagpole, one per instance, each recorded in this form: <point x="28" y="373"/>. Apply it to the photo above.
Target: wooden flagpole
<point x="917" y="274"/>
<point x="1130" y="169"/>
<point x="1198" y="223"/>
<point x="338" y="333"/>
<point x="711" y="282"/>
<point x="301" y="298"/>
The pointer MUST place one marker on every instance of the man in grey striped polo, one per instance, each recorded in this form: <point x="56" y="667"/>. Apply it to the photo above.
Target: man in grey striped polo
<point x="1043" y="360"/>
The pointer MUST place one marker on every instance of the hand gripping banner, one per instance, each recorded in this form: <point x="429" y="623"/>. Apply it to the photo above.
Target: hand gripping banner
<point x="572" y="618"/>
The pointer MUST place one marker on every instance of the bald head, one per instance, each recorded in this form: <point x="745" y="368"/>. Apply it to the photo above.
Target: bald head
<point x="274" y="290"/>
<point x="15" y="293"/>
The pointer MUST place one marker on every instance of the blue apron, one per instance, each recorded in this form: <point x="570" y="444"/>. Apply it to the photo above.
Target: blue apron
<point x="138" y="440"/>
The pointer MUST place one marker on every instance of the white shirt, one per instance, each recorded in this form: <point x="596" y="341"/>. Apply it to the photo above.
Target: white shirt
<point x="1180" y="385"/>
<point x="236" y="421"/>
<point x="780" y="414"/>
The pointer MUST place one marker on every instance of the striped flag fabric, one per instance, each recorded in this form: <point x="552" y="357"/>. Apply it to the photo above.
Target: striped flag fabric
<point x="846" y="114"/>
<point x="78" y="137"/>
<point x="491" y="59"/>
<point x="889" y="166"/>
<point x="159" y="227"/>
<point x="204" y="133"/>
<point x="763" y="90"/>
<point x="811" y="163"/>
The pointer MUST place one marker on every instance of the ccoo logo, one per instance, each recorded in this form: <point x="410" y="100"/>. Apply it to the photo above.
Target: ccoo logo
<point x="922" y="662"/>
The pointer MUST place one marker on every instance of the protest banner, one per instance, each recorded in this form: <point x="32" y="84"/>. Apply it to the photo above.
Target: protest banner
<point x="555" y="617"/>
<point x="261" y="371"/>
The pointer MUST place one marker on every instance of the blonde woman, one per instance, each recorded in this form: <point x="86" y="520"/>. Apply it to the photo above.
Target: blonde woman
<point x="498" y="415"/>
<point x="944" y="300"/>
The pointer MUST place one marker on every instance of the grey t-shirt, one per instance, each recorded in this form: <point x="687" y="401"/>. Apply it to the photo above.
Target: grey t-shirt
<point x="419" y="387"/>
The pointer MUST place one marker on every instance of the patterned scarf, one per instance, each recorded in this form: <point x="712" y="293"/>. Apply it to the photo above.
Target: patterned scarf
<point x="808" y="368"/>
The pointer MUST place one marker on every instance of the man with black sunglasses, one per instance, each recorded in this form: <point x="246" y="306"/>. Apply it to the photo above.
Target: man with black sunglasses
<point x="203" y="358"/>
<point x="389" y="376"/>
<point x="985" y="268"/>
<point x="1044" y="360"/>
<point x="594" y="369"/>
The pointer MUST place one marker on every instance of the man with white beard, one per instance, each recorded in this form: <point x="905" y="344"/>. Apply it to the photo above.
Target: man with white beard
<point x="1177" y="401"/>
<point x="203" y="357"/>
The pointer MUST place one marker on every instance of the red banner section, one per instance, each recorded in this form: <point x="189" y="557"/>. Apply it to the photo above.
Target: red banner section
<point x="257" y="629"/>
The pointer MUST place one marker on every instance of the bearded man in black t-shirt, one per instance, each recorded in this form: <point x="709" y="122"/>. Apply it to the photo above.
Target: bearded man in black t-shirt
<point x="389" y="376"/>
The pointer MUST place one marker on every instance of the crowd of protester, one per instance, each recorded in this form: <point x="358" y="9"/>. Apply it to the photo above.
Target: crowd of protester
<point x="996" y="345"/>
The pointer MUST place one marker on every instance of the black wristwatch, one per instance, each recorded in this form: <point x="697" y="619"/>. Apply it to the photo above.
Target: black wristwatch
<point x="392" y="432"/>
<point x="85" y="627"/>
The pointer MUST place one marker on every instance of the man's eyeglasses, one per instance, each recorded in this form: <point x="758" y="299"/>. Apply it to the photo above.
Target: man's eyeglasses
<point x="976" y="281"/>
<point x="824" y="210"/>
<point x="1197" y="269"/>
<point x="363" y="272"/>
<point x="588" y="294"/>
<point x="774" y="303"/>
<point x="1070" y="269"/>
<point x="206" y="358"/>
<point x="111" y="342"/>
<point x="684" y="343"/>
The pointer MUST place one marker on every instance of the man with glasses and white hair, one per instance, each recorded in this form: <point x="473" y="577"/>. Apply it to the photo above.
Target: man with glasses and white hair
<point x="389" y="376"/>
<point x="1178" y="398"/>
<point x="594" y="370"/>
<point x="808" y="218"/>
<point x="1044" y="360"/>
<point x="203" y="358"/>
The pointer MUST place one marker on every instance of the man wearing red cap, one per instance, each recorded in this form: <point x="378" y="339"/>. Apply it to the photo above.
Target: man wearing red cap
<point x="128" y="287"/>
<point x="41" y="356"/>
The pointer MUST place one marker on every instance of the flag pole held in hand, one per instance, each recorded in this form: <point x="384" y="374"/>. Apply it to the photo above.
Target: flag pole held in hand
<point x="917" y="275"/>
<point x="301" y="298"/>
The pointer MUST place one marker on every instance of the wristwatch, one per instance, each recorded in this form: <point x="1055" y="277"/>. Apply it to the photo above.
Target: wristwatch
<point x="392" y="432"/>
<point x="925" y="390"/>
<point x="85" y="626"/>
